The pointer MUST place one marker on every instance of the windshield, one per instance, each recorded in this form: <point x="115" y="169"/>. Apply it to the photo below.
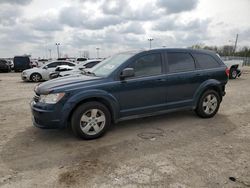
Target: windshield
<point x="106" y="67"/>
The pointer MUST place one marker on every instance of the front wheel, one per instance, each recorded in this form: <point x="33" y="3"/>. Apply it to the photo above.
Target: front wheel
<point x="35" y="77"/>
<point x="208" y="104"/>
<point x="90" y="120"/>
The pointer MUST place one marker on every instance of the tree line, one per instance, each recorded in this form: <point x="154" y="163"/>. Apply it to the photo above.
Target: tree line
<point x="226" y="50"/>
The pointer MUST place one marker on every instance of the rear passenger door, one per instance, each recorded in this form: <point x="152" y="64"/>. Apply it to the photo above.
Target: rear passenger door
<point x="183" y="80"/>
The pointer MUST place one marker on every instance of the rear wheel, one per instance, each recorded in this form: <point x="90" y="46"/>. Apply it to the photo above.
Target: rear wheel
<point x="90" y="120"/>
<point x="208" y="104"/>
<point x="36" y="77"/>
<point x="233" y="73"/>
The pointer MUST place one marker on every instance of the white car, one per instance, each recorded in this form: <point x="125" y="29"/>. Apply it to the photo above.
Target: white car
<point x="43" y="72"/>
<point x="61" y="71"/>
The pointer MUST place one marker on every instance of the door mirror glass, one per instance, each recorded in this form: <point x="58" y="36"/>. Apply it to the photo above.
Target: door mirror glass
<point x="46" y="67"/>
<point x="127" y="72"/>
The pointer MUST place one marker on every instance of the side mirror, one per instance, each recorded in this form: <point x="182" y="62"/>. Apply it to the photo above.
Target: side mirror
<point x="46" y="67"/>
<point x="127" y="72"/>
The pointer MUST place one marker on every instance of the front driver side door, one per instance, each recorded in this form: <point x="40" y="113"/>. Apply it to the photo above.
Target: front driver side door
<point x="146" y="91"/>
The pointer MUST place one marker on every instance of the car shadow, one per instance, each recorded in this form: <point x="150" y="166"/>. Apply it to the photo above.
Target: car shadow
<point x="34" y="148"/>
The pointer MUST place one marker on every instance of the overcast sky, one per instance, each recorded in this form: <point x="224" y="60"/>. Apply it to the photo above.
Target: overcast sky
<point x="34" y="26"/>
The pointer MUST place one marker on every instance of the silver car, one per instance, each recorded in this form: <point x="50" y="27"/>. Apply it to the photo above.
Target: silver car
<point x="43" y="72"/>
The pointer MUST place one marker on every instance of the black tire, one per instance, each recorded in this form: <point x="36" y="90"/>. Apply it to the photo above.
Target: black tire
<point x="204" y="111"/>
<point x="233" y="73"/>
<point x="78" y="125"/>
<point x="35" y="77"/>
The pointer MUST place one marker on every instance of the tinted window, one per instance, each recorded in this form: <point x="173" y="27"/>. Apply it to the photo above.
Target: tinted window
<point x="55" y="64"/>
<point x="81" y="59"/>
<point x="91" y="64"/>
<point x="69" y="64"/>
<point x="206" y="61"/>
<point x="64" y="69"/>
<point x="22" y="59"/>
<point x="179" y="62"/>
<point x="148" y="65"/>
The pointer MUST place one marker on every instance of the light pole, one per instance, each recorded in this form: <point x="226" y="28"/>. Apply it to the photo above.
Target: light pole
<point x="235" y="44"/>
<point x="57" y="45"/>
<point x="150" y="40"/>
<point x="97" y="52"/>
<point x="49" y="53"/>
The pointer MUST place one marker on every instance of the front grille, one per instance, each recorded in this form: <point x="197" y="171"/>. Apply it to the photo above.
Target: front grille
<point x="36" y="97"/>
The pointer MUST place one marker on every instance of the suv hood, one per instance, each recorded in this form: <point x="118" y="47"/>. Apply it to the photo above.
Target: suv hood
<point x="65" y="83"/>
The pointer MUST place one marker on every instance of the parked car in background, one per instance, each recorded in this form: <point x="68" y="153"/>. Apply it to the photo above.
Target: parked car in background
<point x="59" y="69"/>
<point x="80" y="59"/>
<point x="21" y="63"/>
<point x="4" y="66"/>
<point x="11" y="64"/>
<point x="43" y="72"/>
<point x="66" y="71"/>
<point x="132" y="85"/>
<point x="235" y="68"/>
<point x="41" y="62"/>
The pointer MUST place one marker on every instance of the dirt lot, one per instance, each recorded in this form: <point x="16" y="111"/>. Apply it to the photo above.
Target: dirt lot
<point x="173" y="150"/>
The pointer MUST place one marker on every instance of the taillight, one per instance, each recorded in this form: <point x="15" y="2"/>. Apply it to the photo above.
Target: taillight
<point x="227" y="72"/>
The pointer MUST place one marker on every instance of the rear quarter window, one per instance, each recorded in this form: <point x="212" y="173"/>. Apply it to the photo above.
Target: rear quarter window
<point x="206" y="61"/>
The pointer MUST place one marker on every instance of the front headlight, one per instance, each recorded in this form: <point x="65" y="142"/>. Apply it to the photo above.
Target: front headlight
<point x="51" y="98"/>
<point x="24" y="73"/>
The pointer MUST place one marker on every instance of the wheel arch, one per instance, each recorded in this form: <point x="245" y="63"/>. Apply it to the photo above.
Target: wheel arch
<point x="109" y="101"/>
<point x="36" y="73"/>
<point x="209" y="85"/>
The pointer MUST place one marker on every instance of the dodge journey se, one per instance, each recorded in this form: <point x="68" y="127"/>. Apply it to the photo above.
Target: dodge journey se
<point x="131" y="85"/>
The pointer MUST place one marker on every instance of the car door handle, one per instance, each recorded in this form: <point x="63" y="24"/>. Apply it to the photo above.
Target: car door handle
<point x="161" y="80"/>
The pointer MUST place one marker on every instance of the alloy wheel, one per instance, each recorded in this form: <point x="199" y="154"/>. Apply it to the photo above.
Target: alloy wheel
<point x="92" y="121"/>
<point x="210" y="103"/>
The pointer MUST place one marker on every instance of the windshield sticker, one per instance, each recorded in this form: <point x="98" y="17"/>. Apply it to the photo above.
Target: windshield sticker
<point x="109" y="66"/>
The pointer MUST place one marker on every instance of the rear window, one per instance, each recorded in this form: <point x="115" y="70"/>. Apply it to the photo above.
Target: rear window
<point x="206" y="61"/>
<point x="81" y="59"/>
<point x="22" y="59"/>
<point x="180" y="62"/>
<point x="68" y="63"/>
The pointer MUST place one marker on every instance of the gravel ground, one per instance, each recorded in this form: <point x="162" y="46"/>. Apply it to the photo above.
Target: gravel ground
<point x="175" y="150"/>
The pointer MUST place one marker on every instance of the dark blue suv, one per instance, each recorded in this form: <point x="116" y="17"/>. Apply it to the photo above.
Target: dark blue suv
<point x="132" y="85"/>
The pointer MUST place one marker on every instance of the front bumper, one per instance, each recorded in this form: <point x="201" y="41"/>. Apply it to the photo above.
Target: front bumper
<point x="24" y="77"/>
<point x="45" y="118"/>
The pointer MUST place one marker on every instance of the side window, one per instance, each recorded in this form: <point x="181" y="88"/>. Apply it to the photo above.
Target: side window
<point x="180" y="62"/>
<point x="91" y="64"/>
<point x="148" y="65"/>
<point x="206" y="61"/>
<point x="52" y="65"/>
<point x="69" y="64"/>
